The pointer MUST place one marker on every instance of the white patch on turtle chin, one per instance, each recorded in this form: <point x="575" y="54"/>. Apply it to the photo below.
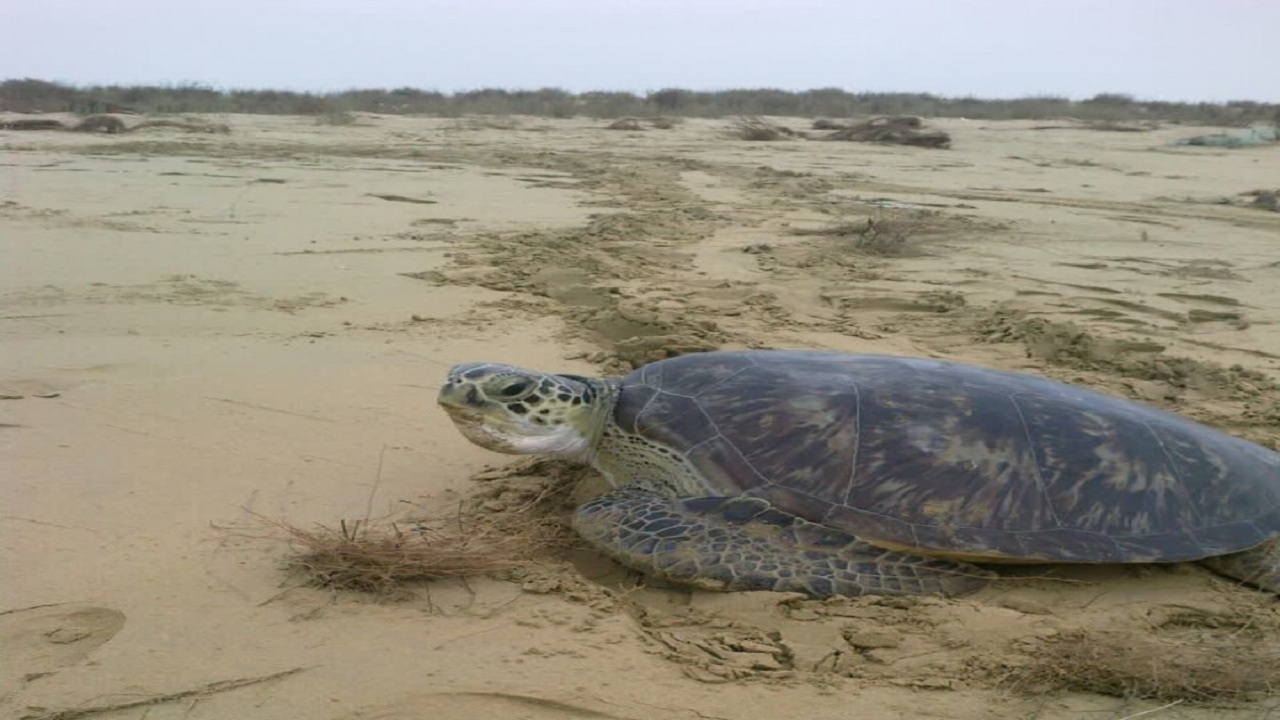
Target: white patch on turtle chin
<point x="562" y="440"/>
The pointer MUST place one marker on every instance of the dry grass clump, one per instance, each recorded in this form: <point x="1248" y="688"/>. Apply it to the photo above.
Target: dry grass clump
<point x="895" y="130"/>
<point x="888" y="234"/>
<point x="664" y="123"/>
<point x="1219" y="667"/>
<point x="1265" y="199"/>
<point x="758" y="129"/>
<point x="101" y="123"/>
<point x="518" y="518"/>
<point x="381" y="556"/>
<point x="337" y="117"/>
<point x="625" y="124"/>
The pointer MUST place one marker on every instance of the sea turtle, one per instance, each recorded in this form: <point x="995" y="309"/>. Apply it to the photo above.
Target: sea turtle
<point x="837" y="474"/>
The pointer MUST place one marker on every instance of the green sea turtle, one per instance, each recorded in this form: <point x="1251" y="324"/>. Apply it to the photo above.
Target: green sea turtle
<point x="834" y="474"/>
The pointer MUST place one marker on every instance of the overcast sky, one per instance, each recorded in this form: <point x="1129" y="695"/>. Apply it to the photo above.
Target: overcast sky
<point x="1154" y="49"/>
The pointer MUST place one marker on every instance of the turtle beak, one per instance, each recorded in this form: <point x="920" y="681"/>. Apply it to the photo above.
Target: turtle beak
<point x="479" y="420"/>
<point x="460" y="398"/>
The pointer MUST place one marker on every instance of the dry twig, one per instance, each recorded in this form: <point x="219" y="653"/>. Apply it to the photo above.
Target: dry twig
<point x="198" y="693"/>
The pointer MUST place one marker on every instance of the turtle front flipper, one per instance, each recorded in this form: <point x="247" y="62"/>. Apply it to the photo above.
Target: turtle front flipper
<point x="1259" y="566"/>
<point x="744" y="543"/>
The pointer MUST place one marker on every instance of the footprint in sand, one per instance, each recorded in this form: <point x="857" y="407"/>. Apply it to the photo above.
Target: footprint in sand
<point x="41" y="640"/>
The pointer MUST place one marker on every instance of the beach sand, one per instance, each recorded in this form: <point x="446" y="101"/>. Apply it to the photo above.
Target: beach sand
<point x="200" y="327"/>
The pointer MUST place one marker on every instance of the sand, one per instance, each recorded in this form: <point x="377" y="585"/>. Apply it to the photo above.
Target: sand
<point x="199" y="326"/>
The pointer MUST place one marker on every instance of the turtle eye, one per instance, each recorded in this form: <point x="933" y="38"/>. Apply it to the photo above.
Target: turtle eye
<point x="515" y="389"/>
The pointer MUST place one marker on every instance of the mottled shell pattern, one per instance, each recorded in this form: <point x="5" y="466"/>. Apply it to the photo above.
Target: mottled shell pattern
<point x="951" y="458"/>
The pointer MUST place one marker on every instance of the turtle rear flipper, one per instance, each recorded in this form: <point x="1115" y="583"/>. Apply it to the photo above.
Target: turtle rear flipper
<point x="744" y="543"/>
<point x="1258" y="566"/>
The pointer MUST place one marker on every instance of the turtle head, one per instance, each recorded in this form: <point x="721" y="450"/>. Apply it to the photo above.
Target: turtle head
<point x="513" y="410"/>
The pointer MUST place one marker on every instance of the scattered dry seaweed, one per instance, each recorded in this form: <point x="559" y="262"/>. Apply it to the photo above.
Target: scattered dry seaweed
<point x="1265" y="199"/>
<point x="1223" y="667"/>
<point x="101" y="123"/>
<point x="625" y="124"/>
<point x="887" y="236"/>
<point x="892" y="231"/>
<point x="896" y="130"/>
<point x="757" y="129"/>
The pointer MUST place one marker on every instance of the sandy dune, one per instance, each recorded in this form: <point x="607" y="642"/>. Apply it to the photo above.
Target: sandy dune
<point x="196" y="325"/>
